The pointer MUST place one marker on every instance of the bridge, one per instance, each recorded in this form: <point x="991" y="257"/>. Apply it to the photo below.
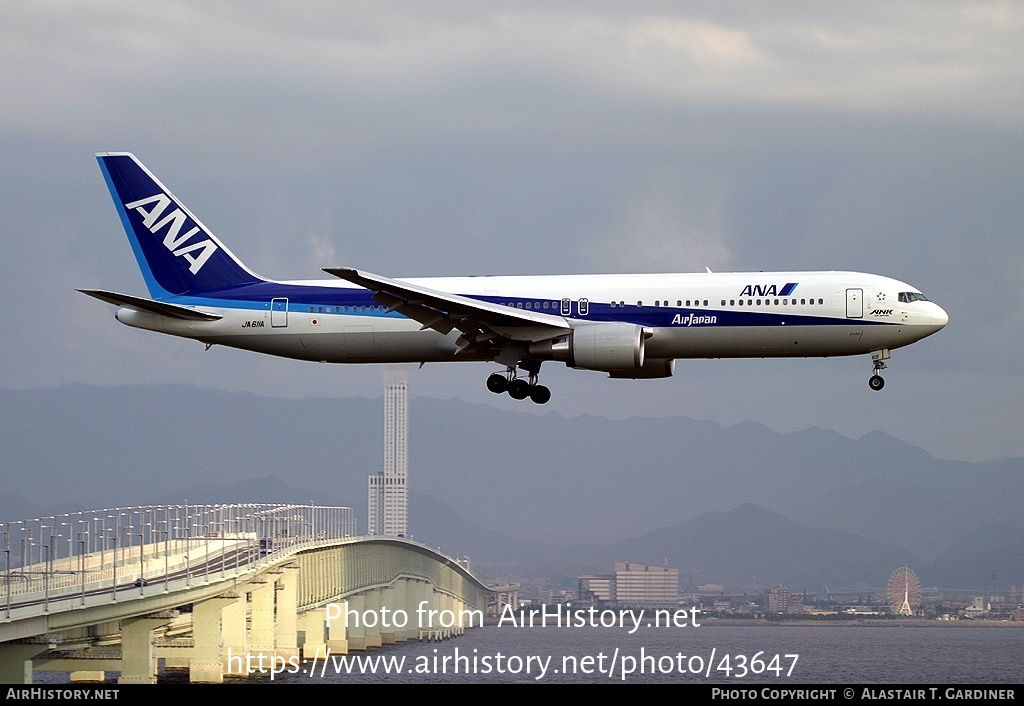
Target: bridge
<point x="219" y="590"/>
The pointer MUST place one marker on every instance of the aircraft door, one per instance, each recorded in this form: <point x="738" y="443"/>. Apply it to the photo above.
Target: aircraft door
<point x="278" y="313"/>
<point x="854" y="303"/>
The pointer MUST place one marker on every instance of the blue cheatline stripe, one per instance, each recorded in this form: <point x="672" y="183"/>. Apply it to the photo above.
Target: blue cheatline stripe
<point x="303" y="297"/>
<point x="788" y="289"/>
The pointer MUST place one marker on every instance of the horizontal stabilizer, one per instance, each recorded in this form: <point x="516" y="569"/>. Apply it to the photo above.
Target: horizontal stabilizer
<point x="155" y="307"/>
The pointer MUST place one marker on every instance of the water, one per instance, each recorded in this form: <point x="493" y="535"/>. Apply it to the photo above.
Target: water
<point x="722" y="654"/>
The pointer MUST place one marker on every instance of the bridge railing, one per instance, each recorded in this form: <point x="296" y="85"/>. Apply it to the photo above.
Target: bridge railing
<point x="96" y="551"/>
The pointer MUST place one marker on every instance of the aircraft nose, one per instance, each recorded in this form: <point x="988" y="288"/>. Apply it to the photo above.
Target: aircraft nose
<point x="939" y="317"/>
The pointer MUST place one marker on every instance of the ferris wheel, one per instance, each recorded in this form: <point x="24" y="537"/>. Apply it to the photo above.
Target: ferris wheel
<point x="904" y="591"/>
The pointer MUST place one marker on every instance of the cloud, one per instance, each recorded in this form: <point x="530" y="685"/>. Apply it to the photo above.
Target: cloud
<point x="228" y="63"/>
<point x="668" y="226"/>
<point x="456" y="137"/>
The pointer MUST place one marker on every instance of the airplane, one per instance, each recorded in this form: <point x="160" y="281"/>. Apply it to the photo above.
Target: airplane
<point x="630" y="326"/>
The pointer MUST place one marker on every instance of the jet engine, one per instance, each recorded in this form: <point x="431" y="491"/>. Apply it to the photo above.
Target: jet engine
<point x="651" y="369"/>
<point x="605" y="347"/>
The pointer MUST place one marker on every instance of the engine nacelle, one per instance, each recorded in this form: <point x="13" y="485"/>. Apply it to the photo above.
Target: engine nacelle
<point x="605" y="347"/>
<point x="652" y="368"/>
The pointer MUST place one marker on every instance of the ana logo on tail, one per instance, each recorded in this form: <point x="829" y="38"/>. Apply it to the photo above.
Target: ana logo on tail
<point x="174" y="239"/>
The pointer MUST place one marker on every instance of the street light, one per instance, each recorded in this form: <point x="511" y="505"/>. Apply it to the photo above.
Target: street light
<point x="142" y="560"/>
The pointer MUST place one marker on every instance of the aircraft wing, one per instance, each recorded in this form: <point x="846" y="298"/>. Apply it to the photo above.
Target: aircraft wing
<point x="443" y="311"/>
<point x="155" y="307"/>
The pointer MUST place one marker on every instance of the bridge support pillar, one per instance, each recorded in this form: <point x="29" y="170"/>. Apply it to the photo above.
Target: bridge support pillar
<point x="392" y="599"/>
<point x="355" y="632"/>
<point x="205" y="665"/>
<point x="428" y="606"/>
<point x="16" y="662"/>
<point x="312" y="624"/>
<point x="446" y="619"/>
<point x="286" y="639"/>
<point x="233" y="642"/>
<point x="373" y="604"/>
<point x="337" y="634"/>
<point x="410" y="594"/>
<point x="417" y="591"/>
<point x="138" y="665"/>
<point x="457" y="607"/>
<point x="261" y="625"/>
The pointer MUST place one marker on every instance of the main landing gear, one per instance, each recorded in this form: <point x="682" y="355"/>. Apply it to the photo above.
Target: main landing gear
<point x="518" y="388"/>
<point x="878" y="358"/>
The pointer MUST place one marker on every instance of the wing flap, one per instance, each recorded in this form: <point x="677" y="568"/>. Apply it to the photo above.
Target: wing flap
<point x="443" y="311"/>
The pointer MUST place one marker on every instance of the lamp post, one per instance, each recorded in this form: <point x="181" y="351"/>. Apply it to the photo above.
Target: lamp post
<point x="142" y="560"/>
<point x="113" y="563"/>
<point x="7" y="567"/>
<point x="83" y="538"/>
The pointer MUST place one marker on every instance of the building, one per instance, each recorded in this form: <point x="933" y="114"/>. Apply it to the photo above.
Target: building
<point x="632" y="584"/>
<point x="593" y="587"/>
<point x="388" y="491"/>
<point x="781" y="600"/>
<point x="637" y="584"/>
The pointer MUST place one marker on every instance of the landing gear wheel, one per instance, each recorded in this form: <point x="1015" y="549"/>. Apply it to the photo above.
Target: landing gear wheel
<point x="519" y="389"/>
<point x="540" y="394"/>
<point x="875" y="382"/>
<point x="497" y="383"/>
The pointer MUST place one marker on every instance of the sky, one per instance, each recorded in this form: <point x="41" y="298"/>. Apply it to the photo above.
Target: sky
<point x="456" y="138"/>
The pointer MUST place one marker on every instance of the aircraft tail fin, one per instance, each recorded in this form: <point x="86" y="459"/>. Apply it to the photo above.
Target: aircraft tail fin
<point x="176" y="252"/>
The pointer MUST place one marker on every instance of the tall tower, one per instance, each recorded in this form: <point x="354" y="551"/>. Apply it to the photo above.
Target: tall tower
<point x="389" y="490"/>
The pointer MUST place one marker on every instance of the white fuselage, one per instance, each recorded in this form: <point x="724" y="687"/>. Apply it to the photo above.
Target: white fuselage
<point x="701" y="315"/>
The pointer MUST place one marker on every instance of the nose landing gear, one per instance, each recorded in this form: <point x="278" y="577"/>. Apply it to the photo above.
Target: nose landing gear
<point x="878" y="358"/>
<point x="518" y="388"/>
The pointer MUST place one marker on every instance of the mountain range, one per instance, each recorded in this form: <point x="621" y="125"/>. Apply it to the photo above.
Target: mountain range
<point x="537" y="494"/>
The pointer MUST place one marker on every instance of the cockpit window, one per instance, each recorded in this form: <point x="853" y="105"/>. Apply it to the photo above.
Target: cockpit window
<point x="907" y="297"/>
